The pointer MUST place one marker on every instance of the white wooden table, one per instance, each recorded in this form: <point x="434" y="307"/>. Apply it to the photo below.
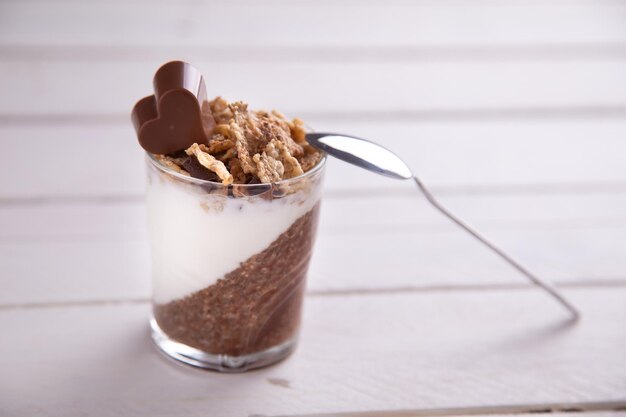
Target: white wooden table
<point x="513" y="111"/>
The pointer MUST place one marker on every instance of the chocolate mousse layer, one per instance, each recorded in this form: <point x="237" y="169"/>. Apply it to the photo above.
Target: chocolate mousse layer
<point x="253" y="308"/>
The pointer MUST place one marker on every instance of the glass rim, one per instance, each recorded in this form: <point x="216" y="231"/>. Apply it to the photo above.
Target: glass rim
<point x="155" y="163"/>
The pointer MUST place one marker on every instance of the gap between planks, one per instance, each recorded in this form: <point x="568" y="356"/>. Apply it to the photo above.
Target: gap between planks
<point x="580" y="283"/>
<point x="354" y="53"/>
<point x="398" y="115"/>
<point x="522" y="409"/>
<point x="588" y="188"/>
<point x="318" y="3"/>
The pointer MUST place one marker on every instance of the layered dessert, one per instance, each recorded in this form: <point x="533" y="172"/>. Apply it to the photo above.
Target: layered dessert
<point x="232" y="212"/>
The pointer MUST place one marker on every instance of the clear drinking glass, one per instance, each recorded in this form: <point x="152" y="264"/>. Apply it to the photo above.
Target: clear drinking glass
<point x="229" y="265"/>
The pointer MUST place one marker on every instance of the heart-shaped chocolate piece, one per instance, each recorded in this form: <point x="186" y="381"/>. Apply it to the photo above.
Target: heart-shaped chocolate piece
<point x="174" y="118"/>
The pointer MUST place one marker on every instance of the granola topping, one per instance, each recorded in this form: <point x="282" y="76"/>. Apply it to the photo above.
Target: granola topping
<point x="209" y="162"/>
<point x="247" y="147"/>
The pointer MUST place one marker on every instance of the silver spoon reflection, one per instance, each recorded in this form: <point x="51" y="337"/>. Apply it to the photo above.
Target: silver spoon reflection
<point x="375" y="158"/>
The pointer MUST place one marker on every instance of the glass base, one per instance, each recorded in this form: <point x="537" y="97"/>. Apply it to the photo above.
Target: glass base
<point x="222" y="363"/>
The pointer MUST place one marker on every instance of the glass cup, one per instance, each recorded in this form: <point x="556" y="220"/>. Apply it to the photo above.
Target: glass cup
<point x="229" y="266"/>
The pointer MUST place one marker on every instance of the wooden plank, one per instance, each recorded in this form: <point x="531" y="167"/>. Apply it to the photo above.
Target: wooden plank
<point x="306" y="24"/>
<point x="357" y="353"/>
<point x="77" y="271"/>
<point x="96" y="87"/>
<point x="121" y="219"/>
<point x="83" y="252"/>
<point x="98" y="160"/>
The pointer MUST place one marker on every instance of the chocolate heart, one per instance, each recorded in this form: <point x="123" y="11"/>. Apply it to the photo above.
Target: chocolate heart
<point x="173" y="118"/>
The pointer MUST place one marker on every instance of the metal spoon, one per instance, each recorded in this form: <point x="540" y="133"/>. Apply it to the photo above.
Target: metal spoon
<point x="375" y="158"/>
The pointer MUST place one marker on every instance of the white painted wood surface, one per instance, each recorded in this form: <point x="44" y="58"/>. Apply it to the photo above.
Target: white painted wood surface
<point x="357" y="353"/>
<point x="103" y="160"/>
<point x="513" y="111"/>
<point x="283" y="22"/>
<point x="326" y="87"/>
<point x="572" y="239"/>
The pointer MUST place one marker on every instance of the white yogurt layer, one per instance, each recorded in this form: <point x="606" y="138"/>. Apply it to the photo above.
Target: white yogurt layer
<point x="197" y="238"/>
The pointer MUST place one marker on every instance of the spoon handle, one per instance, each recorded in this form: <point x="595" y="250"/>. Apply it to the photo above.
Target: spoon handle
<point x="547" y="286"/>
